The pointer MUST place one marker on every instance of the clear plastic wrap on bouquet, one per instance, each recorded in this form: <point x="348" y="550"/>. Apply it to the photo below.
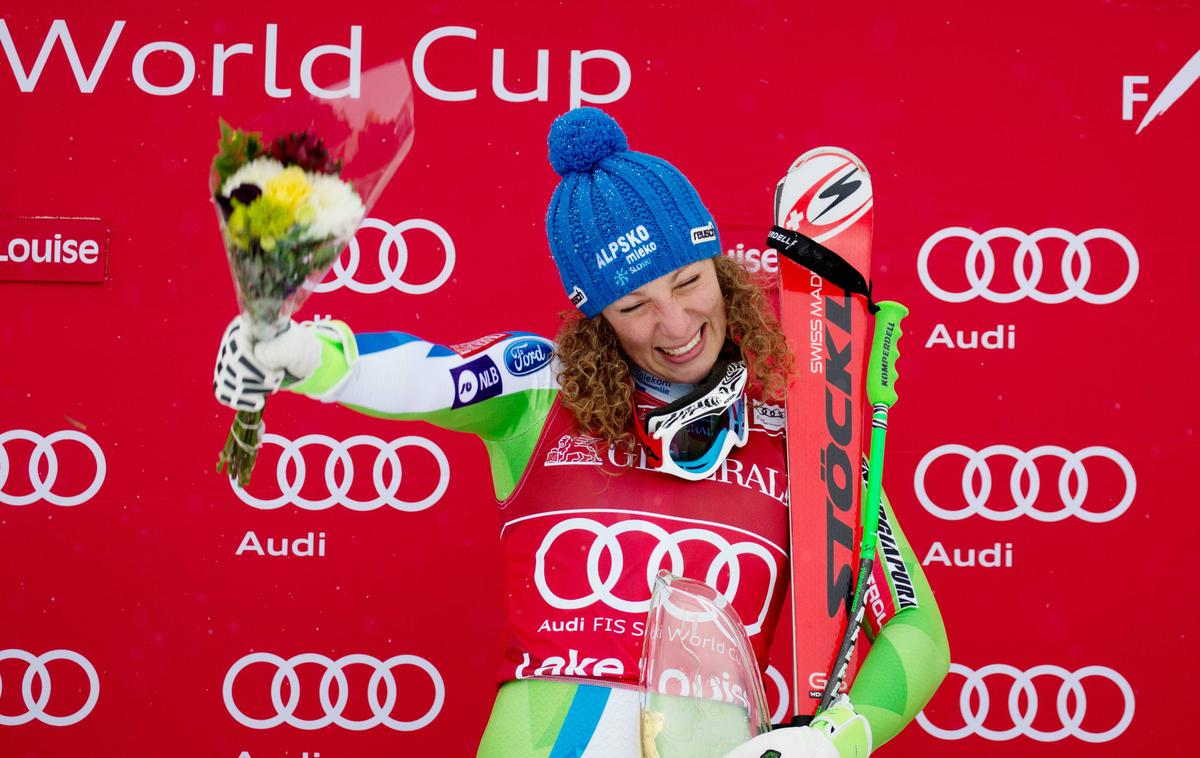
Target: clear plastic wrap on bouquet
<point x="291" y="186"/>
<point x="702" y="694"/>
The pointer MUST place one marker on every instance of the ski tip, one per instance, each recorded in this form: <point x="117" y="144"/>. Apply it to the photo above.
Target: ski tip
<point x="828" y="150"/>
<point x="825" y="191"/>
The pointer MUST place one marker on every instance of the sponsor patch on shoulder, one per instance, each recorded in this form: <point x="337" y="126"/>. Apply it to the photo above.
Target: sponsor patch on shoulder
<point x="476" y="381"/>
<point x="467" y="349"/>
<point x="527" y="356"/>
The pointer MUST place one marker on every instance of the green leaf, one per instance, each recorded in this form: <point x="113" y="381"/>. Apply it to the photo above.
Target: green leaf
<point x="235" y="149"/>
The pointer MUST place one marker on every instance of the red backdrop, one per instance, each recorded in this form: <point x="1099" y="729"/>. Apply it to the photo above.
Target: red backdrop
<point x="1032" y="191"/>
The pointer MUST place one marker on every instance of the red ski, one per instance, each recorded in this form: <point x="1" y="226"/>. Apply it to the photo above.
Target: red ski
<point x="824" y="204"/>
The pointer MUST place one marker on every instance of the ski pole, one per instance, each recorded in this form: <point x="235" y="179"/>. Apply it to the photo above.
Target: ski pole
<point x="881" y="392"/>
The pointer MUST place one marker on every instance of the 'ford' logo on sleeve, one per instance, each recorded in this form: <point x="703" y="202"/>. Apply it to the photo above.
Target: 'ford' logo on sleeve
<point x="527" y="356"/>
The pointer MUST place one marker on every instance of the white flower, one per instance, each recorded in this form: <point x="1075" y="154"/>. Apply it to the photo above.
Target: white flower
<point x="337" y="209"/>
<point x="256" y="172"/>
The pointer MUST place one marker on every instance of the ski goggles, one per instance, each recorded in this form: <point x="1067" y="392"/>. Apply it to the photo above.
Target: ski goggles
<point x="692" y="436"/>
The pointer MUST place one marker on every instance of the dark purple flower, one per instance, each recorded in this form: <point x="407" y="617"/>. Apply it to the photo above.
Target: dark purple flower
<point x="306" y="151"/>
<point x="246" y="193"/>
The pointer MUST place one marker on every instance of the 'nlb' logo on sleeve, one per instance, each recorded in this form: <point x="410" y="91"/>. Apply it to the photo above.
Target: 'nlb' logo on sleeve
<point x="476" y="381"/>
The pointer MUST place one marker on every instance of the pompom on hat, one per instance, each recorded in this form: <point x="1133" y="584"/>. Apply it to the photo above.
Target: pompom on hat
<point x="618" y="218"/>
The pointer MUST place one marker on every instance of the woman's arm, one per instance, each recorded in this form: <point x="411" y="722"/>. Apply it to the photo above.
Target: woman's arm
<point x="500" y="387"/>
<point x="909" y="654"/>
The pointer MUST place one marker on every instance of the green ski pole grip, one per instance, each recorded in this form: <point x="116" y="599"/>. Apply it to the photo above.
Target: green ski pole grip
<point x="885" y="352"/>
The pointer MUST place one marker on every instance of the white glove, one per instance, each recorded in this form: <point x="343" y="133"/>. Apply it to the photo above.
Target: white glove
<point x="245" y="374"/>
<point x="297" y="351"/>
<point x="790" y="742"/>
<point x="837" y="732"/>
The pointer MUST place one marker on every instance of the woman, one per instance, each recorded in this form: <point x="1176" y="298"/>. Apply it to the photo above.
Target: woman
<point x="608" y="460"/>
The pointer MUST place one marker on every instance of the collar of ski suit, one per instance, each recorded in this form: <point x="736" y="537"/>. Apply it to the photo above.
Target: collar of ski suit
<point x="661" y="390"/>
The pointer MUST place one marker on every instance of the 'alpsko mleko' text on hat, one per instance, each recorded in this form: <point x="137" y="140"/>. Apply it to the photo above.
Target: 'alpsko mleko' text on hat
<point x="634" y="244"/>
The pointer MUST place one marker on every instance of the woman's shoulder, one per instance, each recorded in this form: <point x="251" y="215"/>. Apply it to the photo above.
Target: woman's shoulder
<point x="524" y="360"/>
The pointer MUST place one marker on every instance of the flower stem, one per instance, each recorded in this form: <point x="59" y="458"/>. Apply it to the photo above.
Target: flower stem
<point x="241" y="447"/>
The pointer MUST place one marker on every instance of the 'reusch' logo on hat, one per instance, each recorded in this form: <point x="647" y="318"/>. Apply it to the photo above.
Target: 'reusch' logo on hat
<point x="703" y="233"/>
<point x="577" y="297"/>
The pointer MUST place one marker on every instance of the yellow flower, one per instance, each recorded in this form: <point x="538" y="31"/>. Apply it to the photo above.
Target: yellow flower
<point x="268" y="220"/>
<point x="288" y="188"/>
<point x="237" y="225"/>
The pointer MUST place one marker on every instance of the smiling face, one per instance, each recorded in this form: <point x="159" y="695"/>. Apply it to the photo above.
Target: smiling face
<point x="674" y="326"/>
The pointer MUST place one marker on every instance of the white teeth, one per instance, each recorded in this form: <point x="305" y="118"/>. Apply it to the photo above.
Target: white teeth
<point x="681" y="350"/>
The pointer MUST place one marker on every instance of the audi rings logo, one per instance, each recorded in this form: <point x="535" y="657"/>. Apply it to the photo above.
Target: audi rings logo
<point x="382" y="672"/>
<point x="782" y="699"/>
<point x="669" y="545"/>
<point x="44" y="449"/>
<point x="291" y="472"/>
<point x="35" y="707"/>
<point x="1028" y="266"/>
<point x="345" y="268"/>
<point x="1025" y="484"/>
<point x="1071" y="703"/>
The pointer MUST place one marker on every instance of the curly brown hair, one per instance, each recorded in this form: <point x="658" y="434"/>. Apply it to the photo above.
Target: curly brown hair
<point x="595" y="383"/>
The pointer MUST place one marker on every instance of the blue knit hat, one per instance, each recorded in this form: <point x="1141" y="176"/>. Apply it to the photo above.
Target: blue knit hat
<point x="619" y="218"/>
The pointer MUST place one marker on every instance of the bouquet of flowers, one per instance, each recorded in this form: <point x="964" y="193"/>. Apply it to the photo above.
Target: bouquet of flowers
<point x="288" y="206"/>
<point x="286" y="213"/>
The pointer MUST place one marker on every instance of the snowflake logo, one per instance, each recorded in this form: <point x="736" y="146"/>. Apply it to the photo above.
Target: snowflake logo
<point x="621" y="278"/>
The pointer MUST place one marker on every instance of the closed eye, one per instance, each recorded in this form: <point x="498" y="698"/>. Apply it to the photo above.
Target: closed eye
<point x="689" y="281"/>
<point x="630" y="308"/>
